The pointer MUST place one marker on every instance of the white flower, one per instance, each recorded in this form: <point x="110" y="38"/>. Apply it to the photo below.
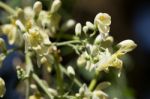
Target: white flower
<point x="126" y="46"/>
<point x="13" y="34"/>
<point x="70" y="71"/>
<point x="55" y="6"/>
<point x="37" y="7"/>
<point x="37" y="40"/>
<point x="78" y="29"/>
<point x="90" y="25"/>
<point x="104" y="59"/>
<point x="102" y="22"/>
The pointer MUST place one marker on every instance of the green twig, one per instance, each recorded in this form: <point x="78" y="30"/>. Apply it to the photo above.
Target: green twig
<point x="66" y="42"/>
<point x="27" y="88"/>
<point x="7" y="8"/>
<point x="59" y="78"/>
<point x="93" y="82"/>
<point x="40" y="83"/>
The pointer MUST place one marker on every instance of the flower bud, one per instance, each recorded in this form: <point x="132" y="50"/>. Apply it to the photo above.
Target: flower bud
<point x="37" y="7"/>
<point x="85" y="29"/>
<point x="126" y="46"/>
<point x="78" y="29"/>
<point x="89" y="48"/>
<point x="67" y="25"/>
<point x="2" y="87"/>
<point x="90" y="25"/>
<point x="70" y="71"/>
<point x="55" y="6"/>
<point x="2" y="45"/>
<point x="98" y="39"/>
<point x="81" y="61"/>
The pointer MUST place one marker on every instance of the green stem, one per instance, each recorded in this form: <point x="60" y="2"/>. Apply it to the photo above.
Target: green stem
<point x="59" y="78"/>
<point x="93" y="82"/>
<point x="40" y="83"/>
<point x="27" y="88"/>
<point x="77" y="82"/>
<point x="7" y="8"/>
<point x="66" y="42"/>
<point x="29" y="66"/>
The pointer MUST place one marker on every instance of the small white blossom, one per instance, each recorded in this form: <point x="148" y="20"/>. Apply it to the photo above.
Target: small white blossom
<point x="13" y="34"/>
<point x="102" y="22"/>
<point x="55" y="6"/>
<point x="37" y="7"/>
<point x="126" y="46"/>
<point x="70" y="71"/>
<point x="78" y="29"/>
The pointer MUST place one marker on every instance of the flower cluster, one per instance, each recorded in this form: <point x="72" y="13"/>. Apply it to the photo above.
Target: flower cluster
<point x="98" y="54"/>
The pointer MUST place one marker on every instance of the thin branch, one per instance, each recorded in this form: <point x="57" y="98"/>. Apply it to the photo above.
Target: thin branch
<point x="40" y="83"/>
<point x="66" y="42"/>
<point x="7" y="8"/>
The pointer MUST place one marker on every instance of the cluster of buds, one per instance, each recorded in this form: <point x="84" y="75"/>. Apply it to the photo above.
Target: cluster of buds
<point x="98" y="55"/>
<point x="33" y="27"/>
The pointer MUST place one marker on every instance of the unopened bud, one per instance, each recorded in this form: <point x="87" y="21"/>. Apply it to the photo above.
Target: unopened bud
<point x="55" y="6"/>
<point x="127" y="46"/>
<point x="81" y="61"/>
<point x="2" y="87"/>
<point x="90" y="25"/>
<point x="85" y="29"/>
<point x="78" y="29"/>
<point x="67" y="25"/>
<point x="98" y="39"/>
<point x="37" y="7"/>
<point x="70" y="71"/>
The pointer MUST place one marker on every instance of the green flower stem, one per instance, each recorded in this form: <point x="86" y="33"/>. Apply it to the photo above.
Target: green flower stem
<point x="93" y="82"/>
<point x="67" y="42"/>
<point x="29" y="67"/>
<point x="40" y="83"/>
<point x="7" y="8"/>
<point x="27" y="88"/>
<point x="77" y="82"/>
<point x="59" y="78"/>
